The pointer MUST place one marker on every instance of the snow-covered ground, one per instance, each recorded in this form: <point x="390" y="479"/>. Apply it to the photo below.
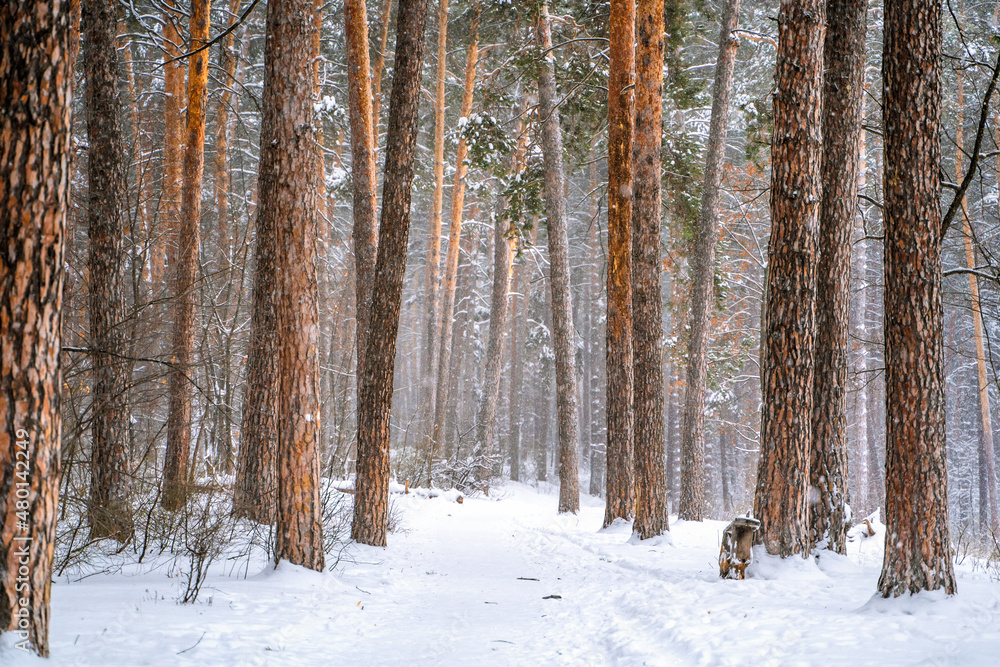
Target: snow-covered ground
<point x="505" y="581"/>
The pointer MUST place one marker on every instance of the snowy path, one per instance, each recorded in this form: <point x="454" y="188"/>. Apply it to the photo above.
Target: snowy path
<point x="459" y="586"/>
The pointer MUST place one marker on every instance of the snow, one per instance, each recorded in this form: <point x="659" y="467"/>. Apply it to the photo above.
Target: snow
<point x="504" y="580"/>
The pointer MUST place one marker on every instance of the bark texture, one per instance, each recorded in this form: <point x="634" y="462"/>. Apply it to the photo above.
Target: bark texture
<point x="364" y="181"/>
<point x="109" y="511"/>
<point x="620" y="486"/>
<point x="843" y="90"/>
<point x="371" y="498"/>
<point x="781" y="500"/>
<point x="918" y="555"/>
<point x="185" y="271"/>
<point x="288" y="193"/>
<point x="164" y="240"/>
<point x="563" y="338"/>
<point x="36" y="75"/>
<point x="692" y="496"/>
<point x="647" y="318"/>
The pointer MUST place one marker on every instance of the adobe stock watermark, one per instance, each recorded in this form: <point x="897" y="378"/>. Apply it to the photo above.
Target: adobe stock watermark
<point x="22" y="541"/>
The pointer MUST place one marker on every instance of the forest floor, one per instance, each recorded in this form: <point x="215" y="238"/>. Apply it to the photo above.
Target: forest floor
<point x="505" y="581"/>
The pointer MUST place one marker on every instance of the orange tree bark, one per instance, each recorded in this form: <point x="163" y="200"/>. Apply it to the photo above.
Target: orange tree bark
<point x="186" y="270"/>
<point x="620" y="477"/>
<point x="443" y="383"/>
<point x="692" y="496"/>
<point x="650" y="485"/>
<point x="843" y="90"/>
<point x="36" y="75"/>
<point x="371" y="497"/>
<point x="917" y="556"/>
<point x="364" y="138"/>
<point x="432" y="275"/>
<point x="781" y="500"/>
<point x="108" y="510"/>
<point x="288" y="193"/>
<point x="165" y="238"/>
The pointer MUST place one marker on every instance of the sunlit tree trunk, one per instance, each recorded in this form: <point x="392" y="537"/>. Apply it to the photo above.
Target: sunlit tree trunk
<point x="288" y="193"/>
<point x="109" y="511"/>
<point x="432" y="275"/>
<point x="363" y="178"/>
<point x="843" y="90"/>
<point x="620" y="487"/>
<point x="378" y="66"/>
<point x="647" y="316"/>
<point x="185" y="272"/>
<point x="443" y="382"/>
<point x="781" y="500"/>
<point x="36" y="67"/>
<point x="371" y="499"/>
<point x="918" y="557"/>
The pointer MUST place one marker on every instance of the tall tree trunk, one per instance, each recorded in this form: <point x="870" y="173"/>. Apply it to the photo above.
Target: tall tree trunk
<point x="228" y="62"/>
<point x="364" y="137"/>
<point x="486" y="417"/>
<point x="620" y="487"/>
<point x="986" y="453"/>
<point x="647" y="317"/>
<point x="858" y="458"/>
<point x="563" y="338"/>
<point x="377" y="68"/>
<point x="843" y="91"/>
<point x="432" y="275"/>
<point x="692" y="501"/>
<point x="109" y="511"/>
<point x="165" y="238"/>
<point x="371" y="497"/>
<point x="288" y="195"/>
<point x="781" y="500"/>
<point x="916" y="467"/>
<point x="875" y="408"/>
<point x="186" y="270"/>
<point x="316" y="65"/>
<point x="443" y="382"/>
<point x="36" y="67"/>
<point x="518" y="332"/>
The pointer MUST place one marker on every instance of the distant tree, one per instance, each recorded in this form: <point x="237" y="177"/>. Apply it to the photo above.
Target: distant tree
<point x="918" y="550"/>
<point x="692" y="496"/>
<point x="109" y="511"/>
<point x="843" y="91"/>
<point x="444" y="377"/>
<point x="620" y="487"/>
<point x="647" y="317"/>
<point x="563" y="337"/>
<point x="371" y="497"/>
<point x="781" y="500"/>
<point x="37" y="55"/>
<point x="165" y="235"/>
<point x="184" y="264"/>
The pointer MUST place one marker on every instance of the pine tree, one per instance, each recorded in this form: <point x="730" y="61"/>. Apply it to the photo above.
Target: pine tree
<point x="647" y="318"/>
<point x="110" y="514"/>
<point x="620" y="486"/>
<point x="37" y="57"/>
<point x="917" y="555"/>
<point x="843" y="91"/>
<point x="781" y="500"/>
<point x="371" y="497"/>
